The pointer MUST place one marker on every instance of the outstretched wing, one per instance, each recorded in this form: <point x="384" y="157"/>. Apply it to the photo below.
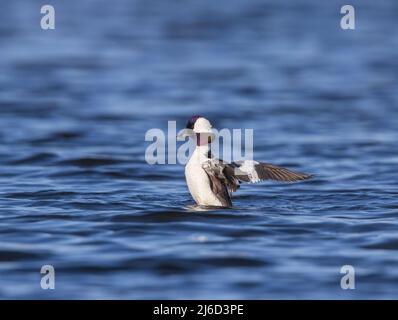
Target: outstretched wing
<point x="225" y="177"/>
<point x="253" y="171"/>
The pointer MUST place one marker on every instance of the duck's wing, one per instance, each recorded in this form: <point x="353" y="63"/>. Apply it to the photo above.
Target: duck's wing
<point x="226" y="177"/>
<point x="222" y="180"/>
<point x="253" y="171"/>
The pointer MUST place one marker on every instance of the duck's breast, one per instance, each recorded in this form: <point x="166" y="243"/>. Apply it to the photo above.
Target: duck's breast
<point x="199" y="186"/>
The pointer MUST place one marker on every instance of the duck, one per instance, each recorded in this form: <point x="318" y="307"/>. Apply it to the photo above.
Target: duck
<point x="211" y="181"/>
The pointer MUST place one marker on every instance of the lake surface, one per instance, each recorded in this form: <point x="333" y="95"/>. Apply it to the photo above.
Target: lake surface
<point x="75" y="189"/>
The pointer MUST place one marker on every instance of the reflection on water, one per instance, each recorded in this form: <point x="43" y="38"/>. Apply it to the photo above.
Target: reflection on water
<point x="76" y="193"/>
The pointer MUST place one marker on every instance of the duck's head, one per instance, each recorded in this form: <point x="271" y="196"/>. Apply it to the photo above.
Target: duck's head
<point x="200" y="127"/>
<point x="199" y="124"/>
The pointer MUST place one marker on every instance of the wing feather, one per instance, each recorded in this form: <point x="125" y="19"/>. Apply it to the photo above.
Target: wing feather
<point x="222" y="182"/>
<point x="267" y="171"/>
<point x="253" y="171"/>
<point x="225" y="177"/>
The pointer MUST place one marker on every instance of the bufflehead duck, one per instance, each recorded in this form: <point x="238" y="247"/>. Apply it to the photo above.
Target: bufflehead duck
<point x="211" y="181"/>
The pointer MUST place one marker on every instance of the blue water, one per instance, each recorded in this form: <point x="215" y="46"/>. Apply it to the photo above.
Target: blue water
<point x="76" y="192"/>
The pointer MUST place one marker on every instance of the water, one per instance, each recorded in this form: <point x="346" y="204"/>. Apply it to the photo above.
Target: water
<point x="76" y="192"/>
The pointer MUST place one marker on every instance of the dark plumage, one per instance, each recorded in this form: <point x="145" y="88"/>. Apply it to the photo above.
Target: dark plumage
<point x="225" y="178"/>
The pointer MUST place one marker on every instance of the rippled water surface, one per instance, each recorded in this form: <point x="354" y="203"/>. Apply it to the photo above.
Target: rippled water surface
<point x="76" y="192"/>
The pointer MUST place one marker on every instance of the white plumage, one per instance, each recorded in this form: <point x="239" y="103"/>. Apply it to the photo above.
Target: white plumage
<point x="197" y="179"/>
